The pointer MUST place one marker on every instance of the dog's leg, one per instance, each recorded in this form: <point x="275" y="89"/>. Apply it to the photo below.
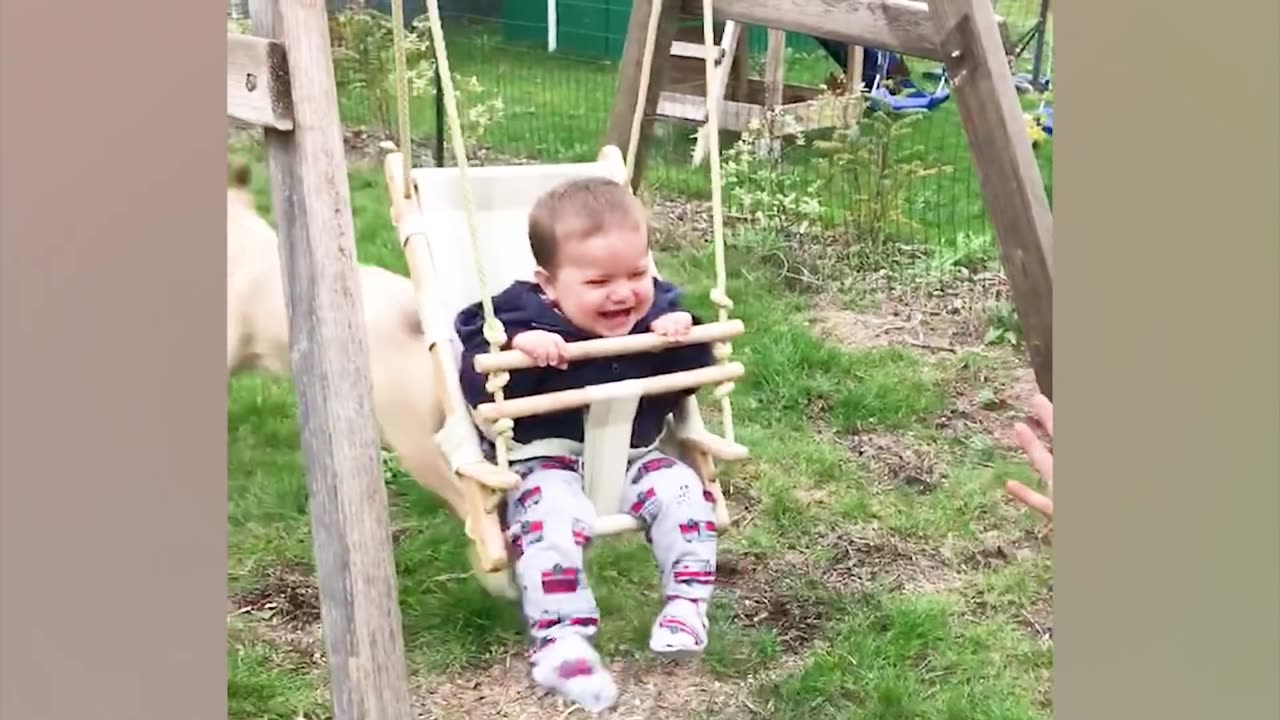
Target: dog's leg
<point x="406" y="397"/>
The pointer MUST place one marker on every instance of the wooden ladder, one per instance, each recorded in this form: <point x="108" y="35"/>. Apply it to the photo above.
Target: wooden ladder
<point x="741" y="98"/>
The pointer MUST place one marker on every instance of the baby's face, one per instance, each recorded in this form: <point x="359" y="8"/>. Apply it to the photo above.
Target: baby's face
<point x="603" y="284"/>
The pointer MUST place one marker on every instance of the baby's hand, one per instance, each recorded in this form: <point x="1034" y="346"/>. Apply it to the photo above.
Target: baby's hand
<point x="673" y="325"/>
<point x="546" y="348"/>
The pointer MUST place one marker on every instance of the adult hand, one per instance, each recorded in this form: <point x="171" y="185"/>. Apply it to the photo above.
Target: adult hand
<point x="1041" y="459"/>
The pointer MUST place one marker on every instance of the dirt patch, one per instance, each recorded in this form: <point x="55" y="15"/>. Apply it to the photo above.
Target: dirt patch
<point x="679" y="223"/>
<point x="648" y="691"/>
<point x="287" y="596"/>
<point x="304" y="642"/>
<point x="867" y="559"/>
<point x="883" y="328"/>
<point x="935" y="318"/>
<point x="771" y="592"/>
<point x="998" y="548"/>
<point x="991" y="403"/>
<point x="898" y="460"/>
<point x="786" y="591"/>
<point x="1038" y="618"/>
<point x="743" y="499"/>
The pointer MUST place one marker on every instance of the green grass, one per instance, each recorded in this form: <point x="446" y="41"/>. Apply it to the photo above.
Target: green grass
<point x="876" y="655"/>
<point x="913" y="657"/>
<point x="265" y="682"/>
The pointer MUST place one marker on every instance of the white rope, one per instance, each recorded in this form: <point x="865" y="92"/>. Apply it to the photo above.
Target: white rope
<point x="493" y="329"/>
<point x="719" y="294"/>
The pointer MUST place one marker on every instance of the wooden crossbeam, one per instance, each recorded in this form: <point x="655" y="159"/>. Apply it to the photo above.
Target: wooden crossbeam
<point x="258" y="82"/>
<point x="900" y="25"/>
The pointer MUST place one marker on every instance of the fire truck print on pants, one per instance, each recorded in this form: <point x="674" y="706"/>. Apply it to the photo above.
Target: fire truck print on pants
<point x="550" y="518"/>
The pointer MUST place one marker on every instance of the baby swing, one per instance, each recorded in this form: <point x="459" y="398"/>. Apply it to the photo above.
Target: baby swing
<point x="463" y="232"/>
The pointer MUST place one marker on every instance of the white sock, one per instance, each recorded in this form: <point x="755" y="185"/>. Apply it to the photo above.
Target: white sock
<point x="680" y="629"/>
<point x="571" y="668"/>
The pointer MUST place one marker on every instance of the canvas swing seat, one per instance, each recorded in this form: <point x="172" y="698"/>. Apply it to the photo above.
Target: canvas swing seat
<point x="464" y="232"/>
<point x="441" y="266"/>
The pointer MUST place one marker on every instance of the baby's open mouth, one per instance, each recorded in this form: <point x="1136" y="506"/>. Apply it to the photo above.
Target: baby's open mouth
<point x="615" y="314"/>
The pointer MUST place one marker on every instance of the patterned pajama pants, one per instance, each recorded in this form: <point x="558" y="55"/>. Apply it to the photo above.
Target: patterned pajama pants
<point x="549" y="521"/>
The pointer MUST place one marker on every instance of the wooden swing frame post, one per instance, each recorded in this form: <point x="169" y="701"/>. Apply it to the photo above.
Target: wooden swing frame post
<point x="282" y="80"/>
<point x="966" y="36"/>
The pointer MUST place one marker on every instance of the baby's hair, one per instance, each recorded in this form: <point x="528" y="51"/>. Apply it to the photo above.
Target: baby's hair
<point x="577" y="209"/>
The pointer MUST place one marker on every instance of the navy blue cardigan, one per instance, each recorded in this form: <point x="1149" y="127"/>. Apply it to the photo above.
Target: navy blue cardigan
<point x="521" y="307"/>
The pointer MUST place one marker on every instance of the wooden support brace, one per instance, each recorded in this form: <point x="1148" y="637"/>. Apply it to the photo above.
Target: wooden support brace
<point x="1006" y="166"/>
<point x="681" y="48"/>
<point x="350" y="530"/>
<point x="627" y="92"/>
<point x="258" y="82"/>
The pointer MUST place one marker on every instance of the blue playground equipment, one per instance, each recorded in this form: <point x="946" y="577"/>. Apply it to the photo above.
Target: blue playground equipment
<point x="1046" y="118"/>
<point x="909" y="97"/>
<point x="880" y="69"/>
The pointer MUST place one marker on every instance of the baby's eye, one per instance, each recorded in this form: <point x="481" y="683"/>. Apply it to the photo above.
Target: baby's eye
<point x="597" y="283"/>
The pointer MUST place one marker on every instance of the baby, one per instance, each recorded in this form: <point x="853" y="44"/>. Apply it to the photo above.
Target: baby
<point x="590" y="241"/>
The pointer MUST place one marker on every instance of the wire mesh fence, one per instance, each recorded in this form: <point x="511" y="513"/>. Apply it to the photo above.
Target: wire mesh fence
<point x="536" y="82"/>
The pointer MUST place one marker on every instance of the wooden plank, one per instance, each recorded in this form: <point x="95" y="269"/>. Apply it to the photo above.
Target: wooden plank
<point x="258" y="82"/>
<point x="774" y="66"/>
<point x="853" y="70"/>
<point x="740" y="72"/>
<point x="682" y="106"/>
<point x="823" y="112"/>
<point x="682" y="48"/>
<point x="355" y="571"/>
<point x="900" y="25"/>
<point x="730" y="39"/>
<point x="1007" y="170"/>
<point x="618" y="131"/>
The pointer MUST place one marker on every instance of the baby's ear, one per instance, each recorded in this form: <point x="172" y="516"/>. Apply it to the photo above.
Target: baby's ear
<point x="542" y="277"/>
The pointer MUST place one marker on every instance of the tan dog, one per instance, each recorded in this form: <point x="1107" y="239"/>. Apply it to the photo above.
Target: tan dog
<point x="404" y="396"/>
<point x="405" y="400"/>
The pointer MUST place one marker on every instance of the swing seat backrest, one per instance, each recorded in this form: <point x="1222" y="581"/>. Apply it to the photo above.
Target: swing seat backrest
<point x="502" y="198"/>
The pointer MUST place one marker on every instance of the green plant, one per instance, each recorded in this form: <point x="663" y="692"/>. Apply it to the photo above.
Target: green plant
<point x="1003" y="328"/>
<point x="963" y="254"/>
<point x="881" y="168"/>
<point x="762" y="189"/>
<point x="363" y="45"/>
